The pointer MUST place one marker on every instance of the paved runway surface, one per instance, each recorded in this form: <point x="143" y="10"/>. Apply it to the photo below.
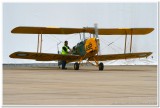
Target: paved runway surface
<point x="116" y="85"/>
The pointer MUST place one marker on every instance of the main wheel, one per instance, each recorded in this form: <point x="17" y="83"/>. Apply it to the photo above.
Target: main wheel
<point x="76" y="66"/>
<point x="101" y="66"/>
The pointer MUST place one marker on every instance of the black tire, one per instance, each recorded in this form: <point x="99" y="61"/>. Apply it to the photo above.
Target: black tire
<point x="101" y="66"/>
<point x="76" y="66"/>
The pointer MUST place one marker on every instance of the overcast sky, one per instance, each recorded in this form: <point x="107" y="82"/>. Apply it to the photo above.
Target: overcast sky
<point x="77" y="15"/>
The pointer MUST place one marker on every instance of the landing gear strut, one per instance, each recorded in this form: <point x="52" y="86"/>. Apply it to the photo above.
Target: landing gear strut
<point x="101" y="66"/>
<point x="76" y="66"/>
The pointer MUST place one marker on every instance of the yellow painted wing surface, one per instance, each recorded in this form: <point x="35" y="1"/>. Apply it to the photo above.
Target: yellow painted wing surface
<point x="121" y="56"/>
<point x="44" y="56"/>
<point x="71" y="58"/>
<point x="45" y="30"/>
<point x="101" y="31"/>
<point x="124" y="31"/>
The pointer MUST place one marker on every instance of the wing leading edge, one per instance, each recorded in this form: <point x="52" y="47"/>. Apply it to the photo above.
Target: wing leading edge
<point x="121" y="56"/>
<point x="44" y="56"/>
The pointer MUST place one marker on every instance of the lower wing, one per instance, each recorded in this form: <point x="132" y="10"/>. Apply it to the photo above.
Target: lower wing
<point x="120" y="56"/>
<point x="44" y="56"/>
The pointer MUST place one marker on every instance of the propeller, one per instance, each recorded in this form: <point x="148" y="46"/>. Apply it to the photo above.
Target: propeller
<point x="97" y="38"/>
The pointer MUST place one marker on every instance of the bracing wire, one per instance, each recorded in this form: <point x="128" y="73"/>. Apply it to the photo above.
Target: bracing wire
<point x="53" y="38"/>
<point x="57" y="40"/>
<point x="109" y="46"/>
<point x="111" y="43"/>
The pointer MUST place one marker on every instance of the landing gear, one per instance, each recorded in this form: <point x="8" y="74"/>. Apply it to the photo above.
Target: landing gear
<point x="101" y="66"/>
<point x="76" y="66"/>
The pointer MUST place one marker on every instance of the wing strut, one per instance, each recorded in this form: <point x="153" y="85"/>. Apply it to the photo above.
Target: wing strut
<point x="125" y="42"/>
<point x="131" y="42"/>
<point x="39" y="43"/>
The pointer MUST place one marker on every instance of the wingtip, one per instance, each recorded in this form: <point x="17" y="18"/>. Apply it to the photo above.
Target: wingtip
<point x="14" y="30"/>
<point x="151" y="29"/>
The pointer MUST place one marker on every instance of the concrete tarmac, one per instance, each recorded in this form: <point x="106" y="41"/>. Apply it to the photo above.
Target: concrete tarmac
<point x="116" y="85"/>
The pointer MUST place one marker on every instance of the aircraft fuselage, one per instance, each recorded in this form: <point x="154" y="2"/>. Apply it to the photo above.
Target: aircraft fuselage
<point x="88" y="47"/>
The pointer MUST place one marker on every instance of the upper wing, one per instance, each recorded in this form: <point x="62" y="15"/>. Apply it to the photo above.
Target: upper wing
<point x="121" y="56"/>
<point x="124" y="31"/>
<point x="46" y="30"/>
<point x="101" y="31"/>
<point x="44" y="56"/>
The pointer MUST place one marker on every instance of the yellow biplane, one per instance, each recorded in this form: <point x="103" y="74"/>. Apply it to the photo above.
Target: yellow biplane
<point x="85" y="50"/>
